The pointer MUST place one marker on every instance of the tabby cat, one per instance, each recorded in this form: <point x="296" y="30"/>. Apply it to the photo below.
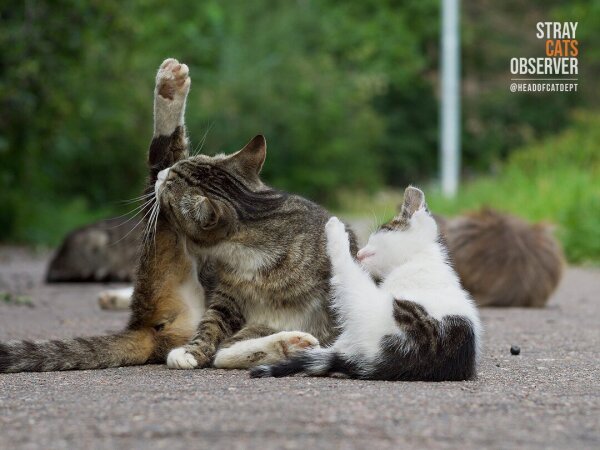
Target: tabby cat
<point x="417" y="324"/>
<point x="226" y="259"/>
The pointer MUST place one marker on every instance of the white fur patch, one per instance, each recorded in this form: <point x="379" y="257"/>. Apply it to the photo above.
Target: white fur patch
<point x="193" y="295"/>
<point x="160" y="179"/>
<point x="179" y="358"/>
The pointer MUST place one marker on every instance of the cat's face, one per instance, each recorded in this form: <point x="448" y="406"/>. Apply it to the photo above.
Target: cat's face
<point x="412" y="230"/>
<point x="208" y="198"/>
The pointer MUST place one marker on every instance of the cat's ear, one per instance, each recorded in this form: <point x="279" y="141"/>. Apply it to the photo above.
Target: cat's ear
<point x="251" y="158"/>
<point x="414" y="200"/>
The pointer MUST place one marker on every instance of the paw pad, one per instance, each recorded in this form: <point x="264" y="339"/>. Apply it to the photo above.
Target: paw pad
<point x="172" y="79"/>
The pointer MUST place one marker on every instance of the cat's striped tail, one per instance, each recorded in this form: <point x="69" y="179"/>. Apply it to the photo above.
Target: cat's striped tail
<point x="318" y="361"/>
<point x="131" y="347"/>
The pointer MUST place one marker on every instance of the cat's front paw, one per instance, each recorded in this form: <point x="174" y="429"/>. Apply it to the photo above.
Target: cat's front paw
<point x="172" y="79"/>
<point x="338" y="242"/>
<point x="187" y="358"/>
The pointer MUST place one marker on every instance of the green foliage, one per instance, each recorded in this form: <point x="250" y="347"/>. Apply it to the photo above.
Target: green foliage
<point x="555" y="180"/>
<point x="344" y="91"/>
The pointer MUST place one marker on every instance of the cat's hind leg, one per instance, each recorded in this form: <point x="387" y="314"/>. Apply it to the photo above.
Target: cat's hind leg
<point x="172" y="87"/>
<point x="169" y="143"/>
<point x="271" y="349"/>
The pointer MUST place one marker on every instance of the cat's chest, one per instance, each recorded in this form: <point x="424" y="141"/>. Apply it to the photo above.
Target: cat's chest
<point x="237" y="262"/>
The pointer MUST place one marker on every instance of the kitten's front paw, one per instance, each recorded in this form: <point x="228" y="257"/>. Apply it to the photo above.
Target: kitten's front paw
<point x="172" y="79"/>
<point x="338" y="242"/>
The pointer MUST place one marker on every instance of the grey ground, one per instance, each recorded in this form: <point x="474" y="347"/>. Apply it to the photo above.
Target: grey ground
<point x="548" y="397"/>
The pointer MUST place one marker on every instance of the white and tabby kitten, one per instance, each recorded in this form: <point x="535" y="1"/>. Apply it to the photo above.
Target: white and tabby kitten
<point x="417" y="324"/>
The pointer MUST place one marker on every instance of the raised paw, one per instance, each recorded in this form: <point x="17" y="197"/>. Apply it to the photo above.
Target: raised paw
<point x="172" y="79"/>
<point x="338" y="242"/>
<point x="172" y="86"/>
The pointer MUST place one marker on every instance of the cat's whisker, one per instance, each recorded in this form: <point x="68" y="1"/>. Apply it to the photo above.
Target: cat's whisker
<point x="147" y="226"/>
<point x="134" y="213"/>
<point x="202" y="142"/>
<point x="150" y="230"/>
<point x="153" y="217"/>
<point x="155" y="224"/>
<point x="137" y="199"/>
<point x="136" y="225"/>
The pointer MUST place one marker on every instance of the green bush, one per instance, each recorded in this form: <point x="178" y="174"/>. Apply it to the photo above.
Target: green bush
<point x="556" y="180"/>
<point x="346" y="93"/>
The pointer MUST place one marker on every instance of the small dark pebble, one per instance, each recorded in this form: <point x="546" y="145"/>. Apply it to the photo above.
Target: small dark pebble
<point x="515" y="350"/>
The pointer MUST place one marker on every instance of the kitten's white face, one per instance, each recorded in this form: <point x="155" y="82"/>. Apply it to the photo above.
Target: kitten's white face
<point x="397" y="241"/>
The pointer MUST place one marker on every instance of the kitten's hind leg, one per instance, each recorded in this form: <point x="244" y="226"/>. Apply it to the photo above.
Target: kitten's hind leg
<point x="271" y="349"/>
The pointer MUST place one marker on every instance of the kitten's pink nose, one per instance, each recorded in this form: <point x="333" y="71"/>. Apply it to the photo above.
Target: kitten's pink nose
<point x="364" y="253"/>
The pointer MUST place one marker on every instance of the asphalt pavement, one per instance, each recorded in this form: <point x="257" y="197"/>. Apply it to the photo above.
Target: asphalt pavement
<point x="546" y="397"/>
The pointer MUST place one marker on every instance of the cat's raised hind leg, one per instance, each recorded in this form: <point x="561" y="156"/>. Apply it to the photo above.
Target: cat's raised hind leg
<point x="169" y="143"/>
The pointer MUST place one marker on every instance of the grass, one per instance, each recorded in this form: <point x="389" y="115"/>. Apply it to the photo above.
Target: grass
<point x="556" y="180"/>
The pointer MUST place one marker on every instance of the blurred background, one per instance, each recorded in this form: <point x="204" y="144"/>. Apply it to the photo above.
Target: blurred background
<point x="347" y="94"/>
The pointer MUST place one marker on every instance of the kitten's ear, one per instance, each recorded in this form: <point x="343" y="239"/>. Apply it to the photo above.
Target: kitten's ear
<point x="414" y="200"/>
<point x="251" y="158"/>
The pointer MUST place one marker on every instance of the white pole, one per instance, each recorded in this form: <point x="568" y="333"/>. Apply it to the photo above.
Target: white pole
<point x="450" y="116"/>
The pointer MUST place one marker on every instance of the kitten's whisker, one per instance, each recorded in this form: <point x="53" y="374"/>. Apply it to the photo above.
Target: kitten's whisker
<point x="375" y="221"/>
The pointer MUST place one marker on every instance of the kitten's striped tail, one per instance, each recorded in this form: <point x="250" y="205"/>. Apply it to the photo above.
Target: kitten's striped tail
<point x="314" y="362"/>
<point x="130" y="347"/>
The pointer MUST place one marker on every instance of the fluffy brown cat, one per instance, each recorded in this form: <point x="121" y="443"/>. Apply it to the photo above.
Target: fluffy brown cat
<point x="503" y="260"/>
